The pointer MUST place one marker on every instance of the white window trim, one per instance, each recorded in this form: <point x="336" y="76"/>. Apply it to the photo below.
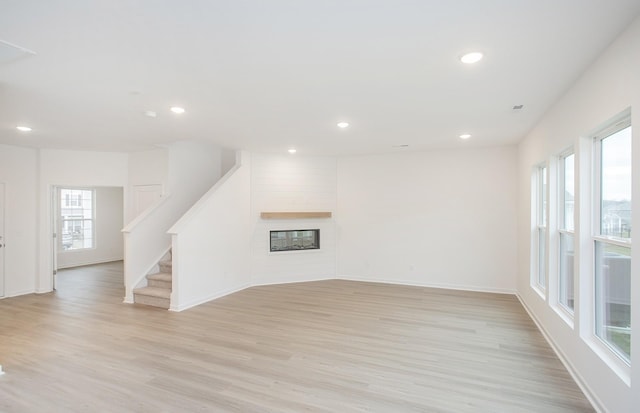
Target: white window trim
<point x="611" y="357"/>
<point x="538" y="259"/>
<point x="563" y="311"/>
<point x="60" y="220"/>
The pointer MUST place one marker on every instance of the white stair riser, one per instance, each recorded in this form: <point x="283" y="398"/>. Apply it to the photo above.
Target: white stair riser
<point x="152" y="301"/>
<point x="159" y="284"/>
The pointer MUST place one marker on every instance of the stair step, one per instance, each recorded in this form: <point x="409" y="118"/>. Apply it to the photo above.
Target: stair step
<point x="153" y="292"/>
<point x="161" y="280"/>
<point x="166" y="266"/>
<point x="153" y="296"/>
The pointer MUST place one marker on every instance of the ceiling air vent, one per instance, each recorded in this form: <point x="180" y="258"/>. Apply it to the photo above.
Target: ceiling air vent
<point x="9" y="52"/>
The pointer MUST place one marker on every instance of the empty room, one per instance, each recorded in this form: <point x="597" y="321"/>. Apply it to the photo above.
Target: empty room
<point x="329" y="206"/>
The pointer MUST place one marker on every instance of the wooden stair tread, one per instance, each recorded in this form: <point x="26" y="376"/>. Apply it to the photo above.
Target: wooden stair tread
<point x="153" y="292"/>
<point x="160" y="276"/>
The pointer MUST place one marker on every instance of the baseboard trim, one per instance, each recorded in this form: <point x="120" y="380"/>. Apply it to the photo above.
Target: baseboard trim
<point x="459" y="287"/>
<point x="19" y="293"/>
<point x="279" y="282"/>
<point x="219" y="294"/>
<point x="90" y="262"/>
<point x="589" y="394"/>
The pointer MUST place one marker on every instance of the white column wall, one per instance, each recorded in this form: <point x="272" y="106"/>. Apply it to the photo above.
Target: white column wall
<point x="285" y="184"/>
<point x="19" y="173"/>
<point x="439" y="218"/>
<point x="211" y="247"/>
<point x="607" y="88"/>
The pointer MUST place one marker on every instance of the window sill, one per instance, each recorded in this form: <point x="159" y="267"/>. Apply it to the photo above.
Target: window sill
<point x="619" y="366"/>
<point x="564" y="314"/>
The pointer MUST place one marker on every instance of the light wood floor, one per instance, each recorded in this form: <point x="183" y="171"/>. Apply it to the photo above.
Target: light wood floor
<point x="329" y="346"/>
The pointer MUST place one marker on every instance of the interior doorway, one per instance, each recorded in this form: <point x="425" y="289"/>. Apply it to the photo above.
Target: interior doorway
<point x="86" y="225"/>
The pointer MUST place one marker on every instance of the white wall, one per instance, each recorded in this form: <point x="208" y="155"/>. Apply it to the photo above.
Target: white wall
<point x="193" y="168"/>
<point x="440" y="218"/>
<point x="211" y="248"/>
<point x="147" y="168"/>
<point x="71" y="168"/>
<point x="18" y="170"/>
<point x="292" y="183"/>
<point x="608" y="87"/>
<point x="108" y="236"/>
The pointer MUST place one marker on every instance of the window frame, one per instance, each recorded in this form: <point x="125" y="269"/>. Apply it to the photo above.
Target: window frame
<point x="71" y="203"/>
<point x="623" y="121"/>
<point x="540" y="236"/>
<point x="565" y="233"/>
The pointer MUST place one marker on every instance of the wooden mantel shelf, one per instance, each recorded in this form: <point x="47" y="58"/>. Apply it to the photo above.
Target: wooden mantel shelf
<point x="294" y="215"/>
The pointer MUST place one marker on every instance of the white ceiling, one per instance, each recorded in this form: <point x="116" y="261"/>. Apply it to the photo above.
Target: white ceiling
<point x="268" y="75"/>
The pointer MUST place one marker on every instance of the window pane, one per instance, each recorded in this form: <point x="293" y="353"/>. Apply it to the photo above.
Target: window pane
<point x="543" y="196"/>
<point x="542" y="242"/>
<point x="569" y="192"/>
<point x="613" y="298"/>
<point x="615" y="202"/>
<point x="566" y="296"/>
<point x="76" y="219"/>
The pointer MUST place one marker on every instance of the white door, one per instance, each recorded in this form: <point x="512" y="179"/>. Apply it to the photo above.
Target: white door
<point x="144" y="196"/>
<point x="2" y="246"/>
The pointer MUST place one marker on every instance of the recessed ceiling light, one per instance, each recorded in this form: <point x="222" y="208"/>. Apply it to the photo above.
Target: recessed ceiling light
<point x="178" y="110"/>
<point x="343" y="125"/>
<point x="292" y="151"/>
<point x="465" y="136"/>
<point x="471" y="58"/>
<point x="150" y="113"/>
<point x="24" y="128"/>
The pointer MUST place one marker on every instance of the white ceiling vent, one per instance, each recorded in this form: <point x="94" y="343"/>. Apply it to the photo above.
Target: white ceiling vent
<point x="10" y="52"/>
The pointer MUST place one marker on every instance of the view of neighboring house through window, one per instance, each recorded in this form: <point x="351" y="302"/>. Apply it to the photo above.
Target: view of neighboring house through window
<point x="541" y="232"/>
<point x="566" y="197"/>
<point x="612" y="238"/>
<point x="76" y="218"/>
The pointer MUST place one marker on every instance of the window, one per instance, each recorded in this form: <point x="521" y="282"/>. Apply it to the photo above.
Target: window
<point x="612" y="238"/>
<point x="76" y="226"/>
<point x="540" y="272"/>
<point x="566" y="199"/>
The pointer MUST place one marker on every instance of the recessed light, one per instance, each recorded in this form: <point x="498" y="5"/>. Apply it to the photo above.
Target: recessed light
<point x="24" y="128"/>
<point x="343" y="125"/>
<point x="150" y="113"/>
<point x="465" y="136"/>
<point x="471" y="58"/>
<point x="178" y="110"/>
<point x="292" y="151"/>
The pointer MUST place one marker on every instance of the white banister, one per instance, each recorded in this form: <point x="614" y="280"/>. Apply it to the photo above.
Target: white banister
<point x="146" y="241"/>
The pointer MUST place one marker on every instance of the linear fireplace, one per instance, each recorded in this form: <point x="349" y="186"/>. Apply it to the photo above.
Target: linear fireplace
<point x="295" y="240"/>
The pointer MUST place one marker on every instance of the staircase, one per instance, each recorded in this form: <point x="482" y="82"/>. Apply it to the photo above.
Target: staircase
<point x="157" y="293"/>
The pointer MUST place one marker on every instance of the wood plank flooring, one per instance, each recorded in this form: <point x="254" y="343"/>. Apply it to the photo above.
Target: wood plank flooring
<point x="328" y="346"/>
